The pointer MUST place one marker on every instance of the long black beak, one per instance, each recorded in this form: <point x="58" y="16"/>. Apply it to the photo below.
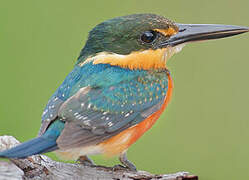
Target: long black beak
<point x="201" y="32"/>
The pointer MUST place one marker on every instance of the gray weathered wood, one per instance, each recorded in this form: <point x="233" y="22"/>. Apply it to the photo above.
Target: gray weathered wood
<point x="41" y="167"/>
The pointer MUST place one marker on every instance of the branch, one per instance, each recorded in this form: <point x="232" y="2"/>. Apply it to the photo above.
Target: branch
<point x="41" y="167"/>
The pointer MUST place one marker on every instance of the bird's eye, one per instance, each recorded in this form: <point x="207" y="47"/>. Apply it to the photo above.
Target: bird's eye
<point x="148" y="36"/>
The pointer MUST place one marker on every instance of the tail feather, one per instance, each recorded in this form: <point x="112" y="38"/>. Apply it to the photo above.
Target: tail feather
<point x="34" y="146"/>
<point x="42" y="144"/>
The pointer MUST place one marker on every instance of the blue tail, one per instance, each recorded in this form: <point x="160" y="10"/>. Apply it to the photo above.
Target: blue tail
<point x="34" y="146"/>
<point x="42" y="144"/>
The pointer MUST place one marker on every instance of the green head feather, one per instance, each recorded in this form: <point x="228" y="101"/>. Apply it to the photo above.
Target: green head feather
<point x="122" y="35"/>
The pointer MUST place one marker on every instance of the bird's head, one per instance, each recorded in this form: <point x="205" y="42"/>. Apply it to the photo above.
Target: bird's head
<point x="146" y="41"/>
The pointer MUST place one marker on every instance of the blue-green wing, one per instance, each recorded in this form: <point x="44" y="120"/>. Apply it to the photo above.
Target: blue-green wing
<point x="103" y="100"/>
<point x="110" y="102"/>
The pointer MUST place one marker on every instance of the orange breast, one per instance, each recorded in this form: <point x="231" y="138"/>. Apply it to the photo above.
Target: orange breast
<point x="120" y="143"/>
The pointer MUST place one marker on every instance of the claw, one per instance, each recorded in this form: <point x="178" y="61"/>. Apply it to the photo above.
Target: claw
<point x="128" y="164"/>
<point x="86" y="161"/>
<point x="119" y="167"/>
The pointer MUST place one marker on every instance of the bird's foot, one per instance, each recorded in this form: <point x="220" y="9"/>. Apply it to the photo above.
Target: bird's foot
<point x="86" y="161"/>
<point x="119" y="167"/>
<point x="127" y="164"/>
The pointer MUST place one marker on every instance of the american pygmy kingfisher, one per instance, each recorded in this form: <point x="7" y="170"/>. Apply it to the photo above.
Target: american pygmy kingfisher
<point x="118" y="88"/>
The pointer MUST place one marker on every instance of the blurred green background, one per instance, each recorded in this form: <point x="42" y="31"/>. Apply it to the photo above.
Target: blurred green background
<point x="204" y="130"/>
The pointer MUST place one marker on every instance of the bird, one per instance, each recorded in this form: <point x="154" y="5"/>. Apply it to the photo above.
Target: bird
<point x="117" y="90"/>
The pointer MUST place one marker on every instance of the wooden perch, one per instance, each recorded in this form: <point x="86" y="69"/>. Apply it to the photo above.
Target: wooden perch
<point x="42" y="167"/>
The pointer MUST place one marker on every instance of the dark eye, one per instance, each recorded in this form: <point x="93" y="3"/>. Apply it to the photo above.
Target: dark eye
<point x="148" y="36"/>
